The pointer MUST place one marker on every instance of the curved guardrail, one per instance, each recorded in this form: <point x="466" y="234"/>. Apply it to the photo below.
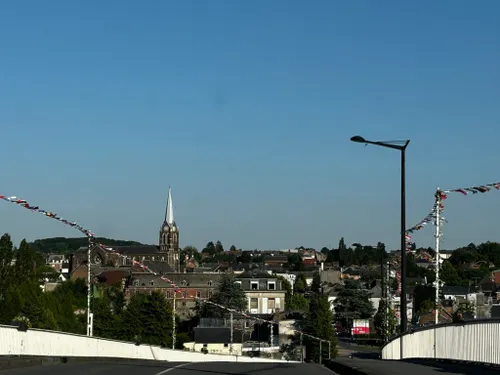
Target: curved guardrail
<point x="476" y="341"/>
<point x="38" y="342"/>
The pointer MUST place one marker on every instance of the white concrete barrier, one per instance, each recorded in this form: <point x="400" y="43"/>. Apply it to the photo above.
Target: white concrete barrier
<point x="36" y="342"/>
<point x="475" y="341"/>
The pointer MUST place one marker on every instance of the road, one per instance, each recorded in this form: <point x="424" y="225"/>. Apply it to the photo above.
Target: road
<point x="366" y="361"/>
<point x="170" y="368"/>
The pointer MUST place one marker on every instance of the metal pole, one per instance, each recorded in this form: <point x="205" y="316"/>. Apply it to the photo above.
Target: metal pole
<point x="301" y="349"/>
<point x="388" y="298"/>
<point x="231" y="323"/>
<point x="89" y="289"/>
<point x="271" y="343"/>
<point x="404" y="316"/>
<point x="382" y="287"/>
<point x="320" y="350"/>
<point x="437" y="248"/>
<point x="173" y="320"/>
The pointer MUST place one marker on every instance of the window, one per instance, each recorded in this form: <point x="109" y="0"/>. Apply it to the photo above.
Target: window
<point x="184" y="283"/>
<point x="209" y="294"/>
<point x="151" y="283"/>
<point x="136" y="282"/>
<point x="198" y="294"/>
<point x="254" y="303"/>
<point x="238" y="282"/>
<point x="210" y="283"/>
<point x="254" y="285"/>
<point x="183" y="304"/>
<point x="271" y="303"/>
<point x="271" y="285"/>
<point x="169" y="295"/>
<point x="184" y="294"/>
<point x="226" y="345"/>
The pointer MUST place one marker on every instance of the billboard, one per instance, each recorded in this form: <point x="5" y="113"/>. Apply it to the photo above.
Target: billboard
<point x="360" y="327"/>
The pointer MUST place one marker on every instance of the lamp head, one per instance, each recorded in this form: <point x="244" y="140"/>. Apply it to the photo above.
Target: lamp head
<point x="358" y="139"/>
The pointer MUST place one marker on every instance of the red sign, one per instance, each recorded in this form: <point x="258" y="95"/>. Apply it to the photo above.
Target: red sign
<point x="360" y="331"/>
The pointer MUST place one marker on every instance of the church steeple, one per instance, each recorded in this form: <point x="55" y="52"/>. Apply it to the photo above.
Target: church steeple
<point x="169" y="212"/>
<point x="169" y="236"/>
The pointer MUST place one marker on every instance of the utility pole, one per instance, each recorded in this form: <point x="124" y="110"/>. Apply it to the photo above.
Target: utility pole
<point x="232" y="328"/>
<point x="271" y="343"/>
<point x="90" y="316"/>
<point x="388" y="298"/>
<point x="173" y="320"/>
<point x="437" y="246"/>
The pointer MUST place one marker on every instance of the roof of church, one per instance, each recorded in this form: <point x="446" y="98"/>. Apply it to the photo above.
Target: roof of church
<point x="158" y="267"/>
<point x="137" y="250"/>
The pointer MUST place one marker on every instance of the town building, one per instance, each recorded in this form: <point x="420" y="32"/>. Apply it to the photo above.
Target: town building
<point x="264" y="292"/>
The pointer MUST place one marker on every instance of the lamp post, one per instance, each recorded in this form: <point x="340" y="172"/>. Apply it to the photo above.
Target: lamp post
<point x="400" y="146"/>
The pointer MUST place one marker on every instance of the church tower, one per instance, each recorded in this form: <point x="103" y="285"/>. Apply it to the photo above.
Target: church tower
<point x="169" y="236"/>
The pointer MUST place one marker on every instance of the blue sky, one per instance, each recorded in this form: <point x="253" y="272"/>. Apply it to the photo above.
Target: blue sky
<point x="246" y="110"/>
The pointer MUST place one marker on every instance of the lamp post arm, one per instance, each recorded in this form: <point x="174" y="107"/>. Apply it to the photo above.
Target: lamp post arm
<point x="390" y="145"/>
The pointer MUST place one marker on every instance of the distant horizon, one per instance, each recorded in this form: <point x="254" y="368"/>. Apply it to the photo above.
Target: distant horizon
<point x="262" y="249"/>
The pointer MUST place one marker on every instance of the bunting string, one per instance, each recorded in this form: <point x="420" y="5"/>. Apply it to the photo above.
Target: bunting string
<point x="439" y="197"/>
<point x="475" y="189"/>
<point x="51" y="215"/>
<point x="88" y="233"/>
<point x="177" y="290"/>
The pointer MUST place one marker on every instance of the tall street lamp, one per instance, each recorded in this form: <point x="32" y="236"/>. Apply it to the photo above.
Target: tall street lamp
<point x="401" y="146"/>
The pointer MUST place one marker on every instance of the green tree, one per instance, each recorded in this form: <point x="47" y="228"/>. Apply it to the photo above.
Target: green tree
<point x="422" y="294"/>
<point x="219" y="248"/>
<point x="342" y="253"/>
<point x="228" y="294"/>
<point x="209" y="248"/>
<point x="7" y="295"/>
<point x="295" y="263"/>
<point x="316" y="283"/>
<point x="385" y="320"/>
<point x="449" y="275"/>
<point x="232" y="248"/>
<point x="300" y="284"/>
<point x="319" y="323"/>
<point x="147" y="319"/>
<point x="35" y="308"/>
<point x="297" y="302"/>
<point x="353" y="302"/>
<point x="191" y="252"/>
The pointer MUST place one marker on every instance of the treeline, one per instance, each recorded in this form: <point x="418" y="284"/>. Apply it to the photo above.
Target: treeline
<point x="147" y="318"/>
<point x="468" y="266"/>
<point x="67" y="245"/>
<point x="22" y="270"/>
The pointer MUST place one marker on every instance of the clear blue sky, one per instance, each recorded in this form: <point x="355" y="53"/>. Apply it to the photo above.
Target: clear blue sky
<point x="246" y="110"/>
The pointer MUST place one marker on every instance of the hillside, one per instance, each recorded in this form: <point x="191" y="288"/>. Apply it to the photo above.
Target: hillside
<point x="66" y="245"/>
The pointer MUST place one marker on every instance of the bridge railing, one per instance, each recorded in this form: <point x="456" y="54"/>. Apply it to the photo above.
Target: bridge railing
<point x="37" y="342"/>
<point x="475" y="341"/>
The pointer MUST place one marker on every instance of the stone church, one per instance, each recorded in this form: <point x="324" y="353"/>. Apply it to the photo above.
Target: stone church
<point x="164" y="258"/>
<point x="116" y="268"/>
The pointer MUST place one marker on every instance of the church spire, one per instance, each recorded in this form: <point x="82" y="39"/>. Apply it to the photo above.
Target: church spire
<point x="169" y="213"/>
